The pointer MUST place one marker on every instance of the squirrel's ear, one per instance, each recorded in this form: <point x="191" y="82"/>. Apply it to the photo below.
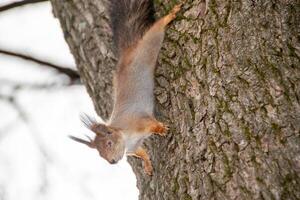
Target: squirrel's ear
<point x="90" y="143"/>
<point x="93" y="125"/>
<point x="100" y="130"/>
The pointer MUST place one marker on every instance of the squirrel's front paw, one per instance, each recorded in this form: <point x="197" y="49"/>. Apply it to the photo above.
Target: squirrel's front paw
<point x="157" y="127"/>
<point x="162" y="129"/>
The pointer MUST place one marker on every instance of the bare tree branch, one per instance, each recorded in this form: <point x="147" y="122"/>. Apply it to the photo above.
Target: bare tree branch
<point x="6" y="129"/>
<point x="14" y="85"/>
<point x="19" y="3"/>
<point x="72" y="74"/>
<point x="24" y="117"/>
<point x="43" y="150"/>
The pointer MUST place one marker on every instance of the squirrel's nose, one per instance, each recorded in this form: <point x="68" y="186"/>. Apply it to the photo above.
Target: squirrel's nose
<point x="113" y="161"/>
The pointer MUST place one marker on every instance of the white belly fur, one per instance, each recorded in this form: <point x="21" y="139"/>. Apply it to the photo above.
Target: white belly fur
<point x="133" y="141"/>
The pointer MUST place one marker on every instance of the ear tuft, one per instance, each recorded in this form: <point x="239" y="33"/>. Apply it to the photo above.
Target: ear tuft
<point x="88" y="121"/>
<point x="88" y="143"/>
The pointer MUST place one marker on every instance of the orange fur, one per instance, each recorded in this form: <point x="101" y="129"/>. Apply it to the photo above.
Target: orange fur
<point x="132" y="119"/>
<point x="141" y="153"/>
<point x="164" y="21"/>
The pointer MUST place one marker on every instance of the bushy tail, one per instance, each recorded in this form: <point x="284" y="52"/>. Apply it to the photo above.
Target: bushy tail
<point x="129" y="21"/>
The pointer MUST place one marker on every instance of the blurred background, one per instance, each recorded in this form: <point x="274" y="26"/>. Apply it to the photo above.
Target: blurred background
<point x="41" y="98"/>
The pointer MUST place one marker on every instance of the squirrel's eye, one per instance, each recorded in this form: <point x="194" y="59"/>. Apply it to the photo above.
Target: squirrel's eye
<point x="109" y="143"/>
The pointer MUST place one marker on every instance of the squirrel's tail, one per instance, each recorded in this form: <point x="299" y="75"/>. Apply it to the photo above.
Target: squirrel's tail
<point x="129" y="21"/>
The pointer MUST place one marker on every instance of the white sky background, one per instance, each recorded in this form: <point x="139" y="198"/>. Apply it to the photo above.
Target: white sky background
<point x="69" y="170"/>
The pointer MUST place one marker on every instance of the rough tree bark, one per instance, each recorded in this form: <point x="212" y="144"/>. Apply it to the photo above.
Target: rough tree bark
<point x="227" y="83"/>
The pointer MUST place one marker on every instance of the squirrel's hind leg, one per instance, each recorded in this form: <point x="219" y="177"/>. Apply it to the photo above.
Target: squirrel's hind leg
<point x="164" y="21"/>
<point x="149" y="46"/>
<point x="141" y="153"/>
<point x="169" y="17"/>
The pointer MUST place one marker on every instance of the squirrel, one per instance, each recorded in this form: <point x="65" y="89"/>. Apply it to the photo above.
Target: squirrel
<point x="137" y="39"/>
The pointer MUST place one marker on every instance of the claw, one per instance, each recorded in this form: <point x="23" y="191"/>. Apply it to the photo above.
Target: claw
<point x="176" y="8"/>
<point x="163" y="130"/>
<point x="172" y="14"/>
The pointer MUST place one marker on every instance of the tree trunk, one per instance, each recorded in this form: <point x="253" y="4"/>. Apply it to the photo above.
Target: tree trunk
<point x="227" y="83"/>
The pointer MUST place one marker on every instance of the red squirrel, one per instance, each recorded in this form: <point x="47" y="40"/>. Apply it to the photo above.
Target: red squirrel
<point x="138" y="39"/>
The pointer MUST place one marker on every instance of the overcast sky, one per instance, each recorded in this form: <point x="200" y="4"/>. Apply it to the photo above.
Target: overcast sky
<point x="37" y="160"/>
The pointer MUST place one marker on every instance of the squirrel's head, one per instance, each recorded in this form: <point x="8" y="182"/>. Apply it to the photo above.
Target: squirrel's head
<point x="108" y="141"/>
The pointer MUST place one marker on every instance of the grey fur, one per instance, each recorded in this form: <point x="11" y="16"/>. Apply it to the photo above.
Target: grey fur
<point x="129" y="21"/>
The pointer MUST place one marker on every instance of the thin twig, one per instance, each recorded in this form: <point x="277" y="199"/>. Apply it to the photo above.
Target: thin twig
<point x="72" y="74"/>
<point x="18" y="4"/>
<point x="24" y="117"/>
<point x="15" y="85"/>
<point x="7" y="128"/>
